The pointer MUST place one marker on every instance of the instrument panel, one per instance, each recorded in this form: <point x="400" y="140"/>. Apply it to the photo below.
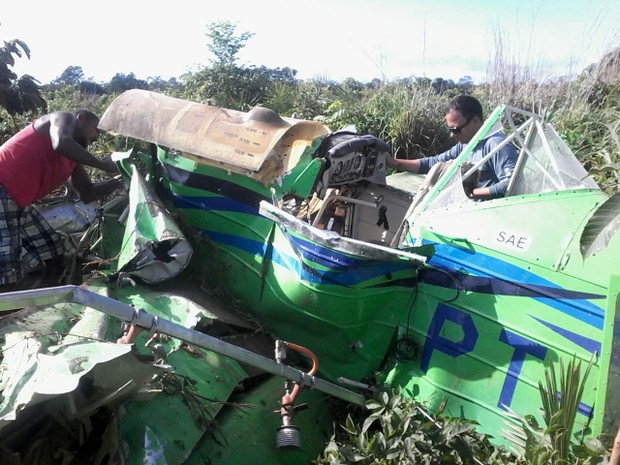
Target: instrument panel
<point x="366" y="164"/>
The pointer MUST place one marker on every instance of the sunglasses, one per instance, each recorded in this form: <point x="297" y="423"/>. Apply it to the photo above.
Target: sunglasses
<point x="457" y="129"/>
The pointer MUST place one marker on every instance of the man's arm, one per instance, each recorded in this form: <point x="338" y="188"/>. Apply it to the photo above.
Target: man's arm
<point x="480" y="193"/>
<point x="61" y="130"/>
<point x="504" y="163"/>
<point x="423" y="165"/>
<point x="403" y="164"/>
<point x="90" y="191"/>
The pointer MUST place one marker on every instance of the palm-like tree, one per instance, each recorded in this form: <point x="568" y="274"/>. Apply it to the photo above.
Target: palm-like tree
<point x="18" y="95"/>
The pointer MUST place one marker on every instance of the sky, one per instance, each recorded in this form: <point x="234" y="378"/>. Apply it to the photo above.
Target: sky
<point x="321" y="39"/>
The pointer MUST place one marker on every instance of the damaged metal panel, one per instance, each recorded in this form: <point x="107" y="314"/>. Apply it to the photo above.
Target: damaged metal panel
<point x="248" y="435"/>
<point x="71" y="373"/>
<point x="154" y="248"/>
<point x="259" y="143"/>
<point x="336" y="241"/>
<point x="54" y="381"/>
<point x="601" y="227"/>
<point x="187" y="408"/>
<point x="153" y="399"/>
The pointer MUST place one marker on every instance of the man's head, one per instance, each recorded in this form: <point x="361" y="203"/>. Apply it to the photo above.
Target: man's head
<point x="464" y="117"/>
<point x="86" y="131"/>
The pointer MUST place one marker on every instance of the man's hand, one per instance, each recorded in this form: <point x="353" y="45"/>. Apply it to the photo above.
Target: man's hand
<point x="403" y="164"/>
<point x="108" y="165"/>
<point x="480" y="193"/>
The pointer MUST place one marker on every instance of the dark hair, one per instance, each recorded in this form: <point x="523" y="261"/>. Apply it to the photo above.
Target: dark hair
<point x="468" y="106"/>
<point x="86" y="114"/>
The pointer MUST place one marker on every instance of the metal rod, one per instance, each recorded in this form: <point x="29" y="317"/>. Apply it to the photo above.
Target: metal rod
<point x="143" y="319"/>
<point x="332" y="198"/>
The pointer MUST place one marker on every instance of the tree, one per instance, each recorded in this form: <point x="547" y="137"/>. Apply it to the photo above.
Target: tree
<point x="71" y="76"/>
<point x="18" y="95"/>
<point x="466" y="83"/>
<point x="440" y="85"/>
<point x="225" y="83"/>
<point x="224" y="44"/>
<point x="122" y="82"/>
<point x="170" y="86"/>
<point x="91" y="87"/>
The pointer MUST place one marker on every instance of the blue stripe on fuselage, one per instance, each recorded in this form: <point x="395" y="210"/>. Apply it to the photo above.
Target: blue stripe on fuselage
<point x="485" y="274"/>
<point x="469" y="268"/>
<point x="349" y="276"/>
<point x="212" y="203"/>
<point x="588" y="344"/>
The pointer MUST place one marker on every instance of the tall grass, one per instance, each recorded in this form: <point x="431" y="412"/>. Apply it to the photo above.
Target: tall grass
<point x="409" y="113"/>
<point x="585" y="109"/>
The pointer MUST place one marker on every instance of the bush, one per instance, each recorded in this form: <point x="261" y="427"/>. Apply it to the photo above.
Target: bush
<point x="399" y="430"/>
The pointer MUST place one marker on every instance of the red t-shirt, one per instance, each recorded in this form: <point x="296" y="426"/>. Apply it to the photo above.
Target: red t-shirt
<point x="30" y="168"/>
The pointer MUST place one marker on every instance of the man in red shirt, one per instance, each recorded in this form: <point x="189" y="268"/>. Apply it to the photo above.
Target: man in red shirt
<point x="33" y="163"/>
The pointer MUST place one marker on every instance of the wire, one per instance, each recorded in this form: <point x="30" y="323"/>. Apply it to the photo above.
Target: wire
<point x="313" y="370"/>
<point x="406" y="348"/>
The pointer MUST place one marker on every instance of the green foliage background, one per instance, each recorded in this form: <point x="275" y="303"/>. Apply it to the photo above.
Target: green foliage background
<point x="407" y="113"/>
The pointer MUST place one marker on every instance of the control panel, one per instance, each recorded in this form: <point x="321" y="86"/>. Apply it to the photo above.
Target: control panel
<point x="355" y="158"/>
<point x="358" y="166"/>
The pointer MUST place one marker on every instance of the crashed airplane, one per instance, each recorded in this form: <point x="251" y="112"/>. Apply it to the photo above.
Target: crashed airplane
<point x="261" y="266"/>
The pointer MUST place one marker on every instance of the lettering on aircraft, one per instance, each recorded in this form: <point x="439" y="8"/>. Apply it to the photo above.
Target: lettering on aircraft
<point x="512" y="240"/>
<point x="436" y="342"/>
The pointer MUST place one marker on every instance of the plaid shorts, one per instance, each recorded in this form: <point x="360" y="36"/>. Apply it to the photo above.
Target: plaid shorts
<point x="26" y="239"/>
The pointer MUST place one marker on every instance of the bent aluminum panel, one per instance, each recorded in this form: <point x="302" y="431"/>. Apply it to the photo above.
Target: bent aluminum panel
<point x="154" y="247"/>
<point x="259" y="141"/>
<point x="145" y="320"/>
<point x="336" y="241"/>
